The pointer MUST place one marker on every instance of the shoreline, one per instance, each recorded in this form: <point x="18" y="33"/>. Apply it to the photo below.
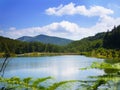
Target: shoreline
<point x="38" y="54"/>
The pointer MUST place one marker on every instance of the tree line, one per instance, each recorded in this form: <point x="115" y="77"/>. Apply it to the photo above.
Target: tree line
<point x="105" y="44"/>
<point x="19" y="47"/>
<point x="112" y="38"/>
<point x="102" y="43"/>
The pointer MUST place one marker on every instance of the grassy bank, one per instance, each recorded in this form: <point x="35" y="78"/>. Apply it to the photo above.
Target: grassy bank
<point x="103" y="53"/>
<point x="99" y="53"/>
<point x="11" y="55"/>
<point x="37" y="54"/>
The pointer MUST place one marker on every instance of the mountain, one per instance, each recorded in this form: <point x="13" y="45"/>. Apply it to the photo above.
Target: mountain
<point x="46" y="39"/>
<point x="106" y="40"/>
<point x="24" y="38"/>
<point x="8" y="45"/>
<point x="87" y="44"/>
<point x="96" y="45"/>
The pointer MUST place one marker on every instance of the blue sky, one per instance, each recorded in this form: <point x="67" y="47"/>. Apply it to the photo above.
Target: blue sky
<point x="72" y="19"/>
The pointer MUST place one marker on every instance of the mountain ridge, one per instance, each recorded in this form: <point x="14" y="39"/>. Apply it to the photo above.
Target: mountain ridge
<point x="46" y="39"/>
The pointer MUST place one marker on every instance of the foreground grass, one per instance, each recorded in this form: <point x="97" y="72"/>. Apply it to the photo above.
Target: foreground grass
<point x="110" y="80"/>
<point x="16" y="83"/>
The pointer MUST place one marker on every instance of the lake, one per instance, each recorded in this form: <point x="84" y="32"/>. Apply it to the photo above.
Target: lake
<point x="66" y="67"/>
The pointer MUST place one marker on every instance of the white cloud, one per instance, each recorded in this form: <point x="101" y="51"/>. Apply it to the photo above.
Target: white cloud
<point x="12" y="28"/>
<point x="60" y="29"/>
<point x="68" y="29"/>
<point x="71" y="9"/>
<point x="65" y="29"/>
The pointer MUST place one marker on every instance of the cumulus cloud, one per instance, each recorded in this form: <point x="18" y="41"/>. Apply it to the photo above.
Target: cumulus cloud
<point x="65" y="29"/>
<point x="71" y="9"/>
<point x="60" y="29"/>
<point x="12" y="28"/>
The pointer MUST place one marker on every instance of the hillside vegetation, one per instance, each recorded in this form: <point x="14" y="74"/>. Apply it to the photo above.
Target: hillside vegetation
<point x="19" y="47"/>
<point x="87" y="44"/>
<point x="46" y="40"/>
<point x="105" y="45"/>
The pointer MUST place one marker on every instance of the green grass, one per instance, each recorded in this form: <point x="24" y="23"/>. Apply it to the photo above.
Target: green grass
<point x="37" y="54"/>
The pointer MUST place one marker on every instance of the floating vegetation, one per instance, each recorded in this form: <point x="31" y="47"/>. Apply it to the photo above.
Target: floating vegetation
<point x="104" y="66"/>
<point x="110" y="80"/>
<point x="30" y="84"/>
<point x="26" y="83"/>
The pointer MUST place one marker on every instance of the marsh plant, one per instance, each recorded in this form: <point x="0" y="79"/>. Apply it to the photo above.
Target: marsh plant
<point x="109" y="81"/>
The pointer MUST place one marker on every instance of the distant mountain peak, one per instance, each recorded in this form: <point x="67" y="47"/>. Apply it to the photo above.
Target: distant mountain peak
<point x="46" y="39"/>
<point x="42" y="35"/>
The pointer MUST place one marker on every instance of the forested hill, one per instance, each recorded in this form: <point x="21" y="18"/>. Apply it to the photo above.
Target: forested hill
<point x="87" y="44"/>
<point x="108" y="40"/>
<point x="19" y="47"/>
<point x="112" y="39"/>
<point x="105" y="43"/>
<point x="46" y="39"/>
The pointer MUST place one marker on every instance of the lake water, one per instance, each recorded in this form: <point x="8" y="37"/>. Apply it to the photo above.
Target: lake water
<point x="66" y="67"/>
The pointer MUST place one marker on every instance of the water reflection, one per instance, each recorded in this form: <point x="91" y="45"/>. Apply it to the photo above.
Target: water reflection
<point x="59" y="67"/>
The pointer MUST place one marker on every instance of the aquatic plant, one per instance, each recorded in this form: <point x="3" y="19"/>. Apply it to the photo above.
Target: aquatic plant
<point x="112" y="74"/>
<point x="109" y="81"/>
<point x="26" y="83"/>
<point x="29" y="83"/>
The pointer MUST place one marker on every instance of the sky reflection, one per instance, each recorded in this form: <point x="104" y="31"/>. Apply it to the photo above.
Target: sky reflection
<point x="59" y="67"/>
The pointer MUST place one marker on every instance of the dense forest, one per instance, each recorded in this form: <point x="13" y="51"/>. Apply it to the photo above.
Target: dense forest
<point x="19" y="47"/>
<point x="45" y="39"/>
<point x="107" y="40"/>
<point x="105" y="44"/>
<point x="87" y="44"/>
<point x="112" y="39"/>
